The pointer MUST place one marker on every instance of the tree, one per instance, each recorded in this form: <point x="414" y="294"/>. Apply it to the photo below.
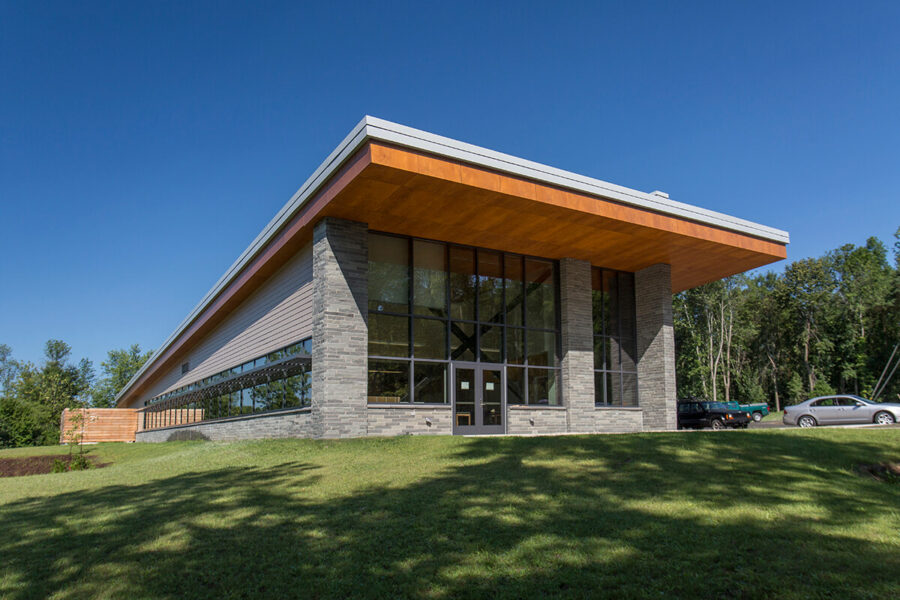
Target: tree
<point x="805" y="291"/>
<point x="33" y="401"/>
<point x="116" y="371"/>
<point x="9" y="368"/>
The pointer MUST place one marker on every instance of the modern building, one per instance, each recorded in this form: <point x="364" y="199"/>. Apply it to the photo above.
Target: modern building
<point x="417" y="284"/>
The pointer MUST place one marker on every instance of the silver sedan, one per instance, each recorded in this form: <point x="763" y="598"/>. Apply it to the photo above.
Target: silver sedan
<point x="841" y="409"/>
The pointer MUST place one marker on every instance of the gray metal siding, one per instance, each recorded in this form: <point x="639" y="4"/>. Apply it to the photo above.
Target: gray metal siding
<point x="275" y="315"/>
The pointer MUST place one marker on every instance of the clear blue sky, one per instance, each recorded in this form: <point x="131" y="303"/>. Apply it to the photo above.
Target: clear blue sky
<point x="144" y="145"/>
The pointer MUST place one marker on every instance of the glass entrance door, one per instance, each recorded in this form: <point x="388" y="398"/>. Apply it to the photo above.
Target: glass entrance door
<point x="478" y="399"/>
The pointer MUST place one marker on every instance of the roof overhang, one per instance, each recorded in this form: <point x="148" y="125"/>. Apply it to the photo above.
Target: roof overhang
<point x="406" y="181"/>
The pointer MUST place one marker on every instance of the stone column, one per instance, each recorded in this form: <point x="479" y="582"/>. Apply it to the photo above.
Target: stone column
<point x="340" y="329"/>
<point x="655" y="346"/>
<point x="577" y="344"/>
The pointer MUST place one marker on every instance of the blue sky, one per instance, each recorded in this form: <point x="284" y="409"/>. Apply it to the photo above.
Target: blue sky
<point x="144" y="145"/>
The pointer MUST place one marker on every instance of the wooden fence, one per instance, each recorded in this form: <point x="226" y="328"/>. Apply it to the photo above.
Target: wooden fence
<point x="100" y="425"/>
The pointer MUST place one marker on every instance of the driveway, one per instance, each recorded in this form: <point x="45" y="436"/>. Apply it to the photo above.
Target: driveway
<point x="777" y="424"/>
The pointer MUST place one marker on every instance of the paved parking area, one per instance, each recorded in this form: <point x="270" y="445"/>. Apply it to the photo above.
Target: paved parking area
<point x="780" y="425"/>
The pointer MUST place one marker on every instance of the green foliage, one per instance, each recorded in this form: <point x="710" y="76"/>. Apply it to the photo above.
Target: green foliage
<point x="824" y="325"/>
<point x="795" y="390"/>
<point x="34" y="397"/>
<point x="822" y="388"/>
<point x="116" y="371"/>
<point x="59" y="466"/>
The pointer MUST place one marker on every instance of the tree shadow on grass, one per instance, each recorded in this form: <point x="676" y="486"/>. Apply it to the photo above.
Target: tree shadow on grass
<point x="511" y="518"/>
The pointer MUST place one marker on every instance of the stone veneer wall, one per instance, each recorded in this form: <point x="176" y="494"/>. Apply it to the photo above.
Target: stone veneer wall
<point x="340" y="330"/>
<point x="288" y="424"/>
<point x="655" y="347"/>
<point x="577" y="344"/>
<point x="546" y="420"/>
<point x="409" y="420"/>
<point x="618" y="420"/>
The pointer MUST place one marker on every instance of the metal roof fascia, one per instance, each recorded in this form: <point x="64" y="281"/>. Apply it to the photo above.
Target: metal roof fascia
<point x="335" y="160"/>
<point x="387" y="131"/>
<point x="435" y="144"/>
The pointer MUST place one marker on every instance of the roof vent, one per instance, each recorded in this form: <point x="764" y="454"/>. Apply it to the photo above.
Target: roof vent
<point x="660" y="194"/>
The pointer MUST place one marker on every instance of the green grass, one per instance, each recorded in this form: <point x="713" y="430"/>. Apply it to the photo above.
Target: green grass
<point x="774" y="416"/>
<point x="745" y="514"/>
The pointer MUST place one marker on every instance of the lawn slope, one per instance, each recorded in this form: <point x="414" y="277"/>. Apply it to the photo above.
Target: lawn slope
<point x="700" y="515"/>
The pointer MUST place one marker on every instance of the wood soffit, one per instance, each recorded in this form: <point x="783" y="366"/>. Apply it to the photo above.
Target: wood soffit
<point x="398" y="190"/>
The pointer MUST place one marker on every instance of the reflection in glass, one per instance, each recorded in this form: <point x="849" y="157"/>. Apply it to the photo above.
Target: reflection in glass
<point x="540" y="290"/>
<point x="388" y="381"/>
<point x="490" y="287"/>
<point x="626" y="305"/>
<point x="430" y="382"/>
<point x="601" y="351"/>
<point x="615" y="352"/>
<point x="429" y="279"/>
<point x="515" y="385"/>
<point x="491" y="398"/>
<point x="515" y="346"/>
<point x="464" y="413"/>
<point x="388" y="335"/>
<point x="614" y="389"/>
<point x="274" y="395"/>
<point x="541" y="348"/>
<point x="491" y="344"/>
<point x="515" y="291"/>
<point x="462" y="283"/>
<point x="388" y="273"/>
<point x="629" y="389"/>
<point x="628" y="352"/>
<point x="430" y="338"/>
<point x="462" y="341"/>
<point x="542" y="387"/>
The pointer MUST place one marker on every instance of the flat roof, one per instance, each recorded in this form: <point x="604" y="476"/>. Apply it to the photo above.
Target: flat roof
<point x="372" y="129"/>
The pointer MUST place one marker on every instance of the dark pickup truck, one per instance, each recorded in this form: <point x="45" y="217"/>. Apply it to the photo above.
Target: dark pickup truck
<point x="697" y="414"/>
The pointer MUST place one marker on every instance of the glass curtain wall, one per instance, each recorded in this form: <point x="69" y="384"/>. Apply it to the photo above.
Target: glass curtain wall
<point x="263" y="384"/>
<point x="431" y="303"/>
<point x="615" y="365"/>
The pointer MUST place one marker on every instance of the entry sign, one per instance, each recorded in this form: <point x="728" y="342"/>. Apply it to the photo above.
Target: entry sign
<point x="463" y="385"/>
<point x="489" y="386"/>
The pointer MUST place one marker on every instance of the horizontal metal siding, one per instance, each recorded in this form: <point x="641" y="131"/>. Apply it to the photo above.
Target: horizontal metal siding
<point x="277" y="314"/>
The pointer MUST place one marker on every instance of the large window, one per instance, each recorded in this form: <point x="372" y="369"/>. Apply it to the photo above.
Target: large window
<point x="615" y="366"/>
<point x="431" y="303"/>
<point x="278" y="380"/>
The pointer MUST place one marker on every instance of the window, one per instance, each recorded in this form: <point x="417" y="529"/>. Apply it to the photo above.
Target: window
<point x="245" y="389"/>
<point x="615" y="347"/>
<point x="431" y="303"/>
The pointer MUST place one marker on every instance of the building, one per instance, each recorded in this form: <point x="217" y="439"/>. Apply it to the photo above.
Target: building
<point x="417" y="284"/>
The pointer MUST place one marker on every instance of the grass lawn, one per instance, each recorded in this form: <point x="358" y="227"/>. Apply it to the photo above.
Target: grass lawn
<point x="743" y="514"/>
<point x="774" y="416"/>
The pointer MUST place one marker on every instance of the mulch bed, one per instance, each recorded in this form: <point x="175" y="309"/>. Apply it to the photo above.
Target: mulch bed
<point x="36" y="465"/>
<point x="889" y="471"/>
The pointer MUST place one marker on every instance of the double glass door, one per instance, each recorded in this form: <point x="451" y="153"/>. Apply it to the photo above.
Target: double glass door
<point x="478" y="399"/>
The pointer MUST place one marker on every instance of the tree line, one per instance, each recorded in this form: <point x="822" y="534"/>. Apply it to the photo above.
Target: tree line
<point x="823" y="325"/>
<point x="32" y="397"/>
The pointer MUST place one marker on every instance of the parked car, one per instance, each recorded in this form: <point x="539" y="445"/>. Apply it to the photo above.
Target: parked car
<point x="696" y="414"/>
<point x="840" y="409"/>
<point x="756" y="411"/>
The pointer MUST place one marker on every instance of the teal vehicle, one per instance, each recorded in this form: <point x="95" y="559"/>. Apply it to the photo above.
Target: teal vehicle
<point x="756" y="411"/>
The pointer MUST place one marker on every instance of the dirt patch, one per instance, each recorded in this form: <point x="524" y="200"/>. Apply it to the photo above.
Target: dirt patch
<point x="889" y="471"/>
<point x="36" y="465"/>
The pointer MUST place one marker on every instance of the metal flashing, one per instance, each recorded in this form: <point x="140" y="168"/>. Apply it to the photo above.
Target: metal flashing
<point x="372" y="128"/>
